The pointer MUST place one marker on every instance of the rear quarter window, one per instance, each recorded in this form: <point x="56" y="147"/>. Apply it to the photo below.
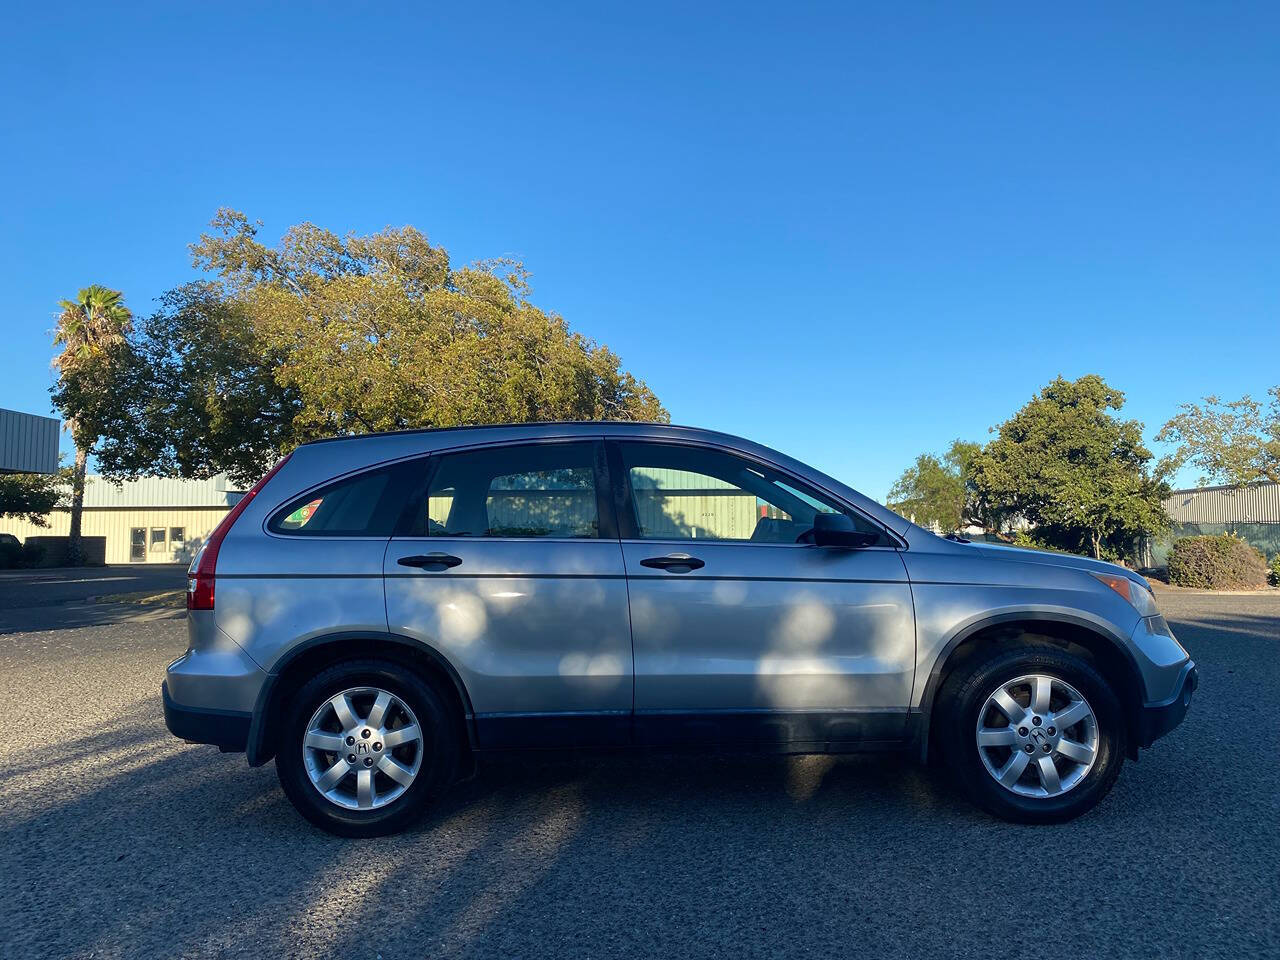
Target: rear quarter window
<point x="366" y="505"/>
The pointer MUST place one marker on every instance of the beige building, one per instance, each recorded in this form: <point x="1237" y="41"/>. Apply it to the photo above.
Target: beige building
<point x="154" y="520"/>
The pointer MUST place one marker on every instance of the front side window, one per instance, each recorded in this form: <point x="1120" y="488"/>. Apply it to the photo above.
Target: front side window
<point x="366" y="505"/>
<point x="538" y="490"/>
<point x="692" y="493"/>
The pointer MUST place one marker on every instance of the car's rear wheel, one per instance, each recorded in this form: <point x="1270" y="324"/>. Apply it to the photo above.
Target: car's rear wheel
<point x="366" y="746"/>
<point x="1034" y="734"/>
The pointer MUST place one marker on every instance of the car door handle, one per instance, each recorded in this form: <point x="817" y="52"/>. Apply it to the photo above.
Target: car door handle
<point x="675" y="562"/>
<point x="442" y="560"/>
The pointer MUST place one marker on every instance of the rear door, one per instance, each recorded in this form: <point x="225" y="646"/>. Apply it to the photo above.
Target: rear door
<point x="509" y="565"/>
<point x="743" y="631"/>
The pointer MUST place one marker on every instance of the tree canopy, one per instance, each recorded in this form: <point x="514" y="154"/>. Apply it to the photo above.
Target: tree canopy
<point x="1063" y="463"/>
<point x="32" y="496"/>
<point x="1232" y="442"/>
<point x="322" y="335"/>
<point x="91" y="331"/>
<point x="1081" y="475"/>
<point x="943" y="491"/>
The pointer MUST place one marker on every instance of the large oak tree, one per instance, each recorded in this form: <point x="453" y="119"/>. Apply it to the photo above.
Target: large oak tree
<point x="323" y="334"/>
<point x="1078" y="473"/>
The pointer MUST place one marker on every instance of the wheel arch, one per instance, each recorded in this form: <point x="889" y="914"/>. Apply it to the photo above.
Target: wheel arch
<point x="317" y="653"/>
<point x="1105" y="648"/>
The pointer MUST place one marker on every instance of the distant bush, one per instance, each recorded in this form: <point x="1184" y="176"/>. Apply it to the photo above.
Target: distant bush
<point x="1223" y="562"/>
<point x="1275" y="570"/>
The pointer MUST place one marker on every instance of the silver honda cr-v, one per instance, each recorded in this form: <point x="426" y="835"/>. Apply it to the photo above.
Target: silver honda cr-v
<point x="378" y="610"/>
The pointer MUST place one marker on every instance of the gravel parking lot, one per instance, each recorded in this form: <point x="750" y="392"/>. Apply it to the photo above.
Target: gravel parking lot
<point x="120" y="841"/>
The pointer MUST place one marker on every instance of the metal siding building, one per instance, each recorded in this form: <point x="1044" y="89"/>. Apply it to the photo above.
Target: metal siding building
<point x="1251" y="513"/>
<point x="1256" y="503"/>
<point x="28" y="444"/>
<point x="154" y="520"/>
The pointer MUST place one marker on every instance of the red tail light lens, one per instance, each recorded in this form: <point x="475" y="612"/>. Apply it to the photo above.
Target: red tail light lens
<point x="200" y="575"/>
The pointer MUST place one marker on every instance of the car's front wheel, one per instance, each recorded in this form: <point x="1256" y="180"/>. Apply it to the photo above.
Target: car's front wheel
<point x="366" y="745"/>
<point x="1034" y="734"/>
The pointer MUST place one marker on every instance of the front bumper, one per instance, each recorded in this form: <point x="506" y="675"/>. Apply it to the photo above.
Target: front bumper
<point x="1157" y="719"/>
<point x="228" y="730"/>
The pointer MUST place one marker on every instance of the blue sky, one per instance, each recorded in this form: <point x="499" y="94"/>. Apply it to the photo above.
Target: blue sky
<point x="853" y="232"/>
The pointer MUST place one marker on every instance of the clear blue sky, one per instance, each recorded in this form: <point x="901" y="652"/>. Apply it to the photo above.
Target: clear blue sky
<point x="853" y="232"/>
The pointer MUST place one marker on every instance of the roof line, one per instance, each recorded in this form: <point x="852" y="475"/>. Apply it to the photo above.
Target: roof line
<point x="494" y="426"/>
<point x="1225" y="486"/>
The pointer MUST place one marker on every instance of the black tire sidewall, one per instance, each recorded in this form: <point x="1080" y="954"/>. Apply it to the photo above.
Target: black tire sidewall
<point x="439" y="743"/>
<point x="964" y="696"/>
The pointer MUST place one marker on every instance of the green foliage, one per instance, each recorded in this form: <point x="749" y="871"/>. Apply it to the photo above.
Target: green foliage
<point x="90" y="328"/>
<point x="91" y="331"/>
<point x="31" y="496"/>
<point x="943" y="491"/>
<point x="1029" y="541"/>
<point x="1072" y="469"/>
<point x="1275" y="570"/>
<point x="929" y="493"/>
<point x="1224" y="562"/>
<point x="1233" y="443"/>
<point x="197" y="394"/>
<point x="323" y="335"/>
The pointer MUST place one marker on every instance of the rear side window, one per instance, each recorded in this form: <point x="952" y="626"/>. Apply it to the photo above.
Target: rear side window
<point x="538" y="490"/>
<point x="366" y="505"/>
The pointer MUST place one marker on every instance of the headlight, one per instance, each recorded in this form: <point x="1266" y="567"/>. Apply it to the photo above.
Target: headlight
<point x="1137" y="595"/>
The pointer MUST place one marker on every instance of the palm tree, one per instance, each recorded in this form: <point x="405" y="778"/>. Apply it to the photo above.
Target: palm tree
<point x="87" y="327"/>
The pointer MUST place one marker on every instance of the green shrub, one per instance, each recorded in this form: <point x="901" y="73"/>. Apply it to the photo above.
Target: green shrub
<point x="1216" y="563"/>
<point x="1023" y="539"/>
<point x="1275" y="570"/>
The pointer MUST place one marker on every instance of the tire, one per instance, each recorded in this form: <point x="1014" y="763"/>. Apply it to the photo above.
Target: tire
<point x="365" y="801"/>
<point x="1082" y="779"/>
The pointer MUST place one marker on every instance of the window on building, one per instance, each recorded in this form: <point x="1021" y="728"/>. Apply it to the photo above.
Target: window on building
<point x="157" y="538"/>
<point x="177" y="537"/>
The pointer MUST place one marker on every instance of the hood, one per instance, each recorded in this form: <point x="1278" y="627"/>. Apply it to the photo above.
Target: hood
<point x="1053" y="558"/>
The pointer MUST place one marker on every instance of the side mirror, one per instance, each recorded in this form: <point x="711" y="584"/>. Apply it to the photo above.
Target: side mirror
<point x="837" y="530"/>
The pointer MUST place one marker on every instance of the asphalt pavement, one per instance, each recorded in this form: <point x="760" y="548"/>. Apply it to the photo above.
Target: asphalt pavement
<point x="117" y="840"/>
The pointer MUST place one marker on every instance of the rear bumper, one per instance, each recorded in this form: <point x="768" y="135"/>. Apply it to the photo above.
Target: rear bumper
<point x="1157" y="719"/>
<point x="228" y="730"/>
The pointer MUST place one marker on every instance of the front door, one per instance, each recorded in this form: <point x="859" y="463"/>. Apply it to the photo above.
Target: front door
<point x="742" y="630"/>
<point x="511" y="568"/>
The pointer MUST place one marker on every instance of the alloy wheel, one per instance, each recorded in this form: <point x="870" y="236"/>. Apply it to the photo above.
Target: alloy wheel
<point x="1037" y="736"/>
<point x="363" y="748"/>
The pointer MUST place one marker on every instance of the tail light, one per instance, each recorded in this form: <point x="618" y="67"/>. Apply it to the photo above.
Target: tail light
<point x="200" y="575"/>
